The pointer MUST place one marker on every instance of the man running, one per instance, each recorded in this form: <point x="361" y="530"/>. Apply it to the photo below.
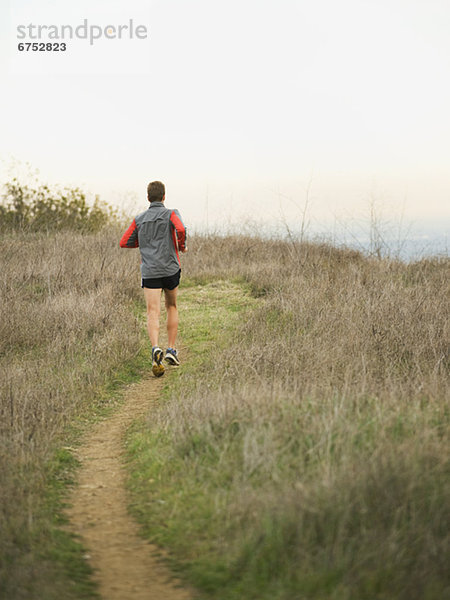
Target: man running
<point x="159" y="233"/>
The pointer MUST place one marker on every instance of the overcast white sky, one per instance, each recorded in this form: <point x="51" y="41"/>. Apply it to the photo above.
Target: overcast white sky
<point x="242" y="103"/>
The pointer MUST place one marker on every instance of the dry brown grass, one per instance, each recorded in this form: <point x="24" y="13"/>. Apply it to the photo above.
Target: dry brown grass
<point x="315" y="445"/>
<point x="351" y="325"/>
<point x="66" y="327"/>
<point x="309" y="455"/>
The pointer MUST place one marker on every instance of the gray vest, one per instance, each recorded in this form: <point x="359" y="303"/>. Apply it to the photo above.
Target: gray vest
<point x="157" y="238"/>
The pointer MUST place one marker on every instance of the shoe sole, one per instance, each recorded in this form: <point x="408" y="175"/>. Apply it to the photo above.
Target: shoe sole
<point x="172" y="360"/>
<point x="157" y="366"/>
<point x="158" y="370"/>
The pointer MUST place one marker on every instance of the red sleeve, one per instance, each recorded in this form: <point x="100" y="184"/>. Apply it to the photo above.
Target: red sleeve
<point x="179" y="228"/>
<point x="130" y="237"/>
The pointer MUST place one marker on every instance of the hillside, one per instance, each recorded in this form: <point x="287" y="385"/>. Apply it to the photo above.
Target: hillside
<point x="300" y="451"/>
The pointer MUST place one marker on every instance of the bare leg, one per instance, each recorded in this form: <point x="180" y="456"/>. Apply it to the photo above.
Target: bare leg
<point x="153" y="300"/>
<point x="172" y="316"/>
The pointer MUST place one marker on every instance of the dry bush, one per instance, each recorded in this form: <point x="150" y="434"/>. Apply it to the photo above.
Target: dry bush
<point x="66" y="326"/>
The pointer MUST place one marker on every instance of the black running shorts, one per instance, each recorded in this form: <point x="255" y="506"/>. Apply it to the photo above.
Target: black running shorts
<point x="166" y="283"/>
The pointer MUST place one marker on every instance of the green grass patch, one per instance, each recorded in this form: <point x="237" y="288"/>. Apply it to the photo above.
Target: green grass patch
<point x="209" y="315"/>
<point x="173" y="515"/>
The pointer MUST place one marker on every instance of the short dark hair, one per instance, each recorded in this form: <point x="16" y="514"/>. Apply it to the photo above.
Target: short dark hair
<point x="155" y="191"/>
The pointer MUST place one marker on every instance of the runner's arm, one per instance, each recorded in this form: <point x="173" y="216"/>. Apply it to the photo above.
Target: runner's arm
<point x="130" y="237"/>
<point x="180" y="230"/>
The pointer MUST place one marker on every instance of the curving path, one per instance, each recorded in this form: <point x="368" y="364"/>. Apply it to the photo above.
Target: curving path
<point x="124" y="563"/>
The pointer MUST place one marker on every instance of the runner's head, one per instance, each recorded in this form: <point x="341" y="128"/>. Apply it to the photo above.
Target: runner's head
<point x="156" y="191"/>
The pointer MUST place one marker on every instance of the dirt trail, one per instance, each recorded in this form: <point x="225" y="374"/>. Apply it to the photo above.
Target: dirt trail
<point x="124" y="563"/>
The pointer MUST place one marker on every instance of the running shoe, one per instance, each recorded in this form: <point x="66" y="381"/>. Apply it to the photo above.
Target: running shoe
<point x="172" y="357"/>
<point x="157" y="357"/>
